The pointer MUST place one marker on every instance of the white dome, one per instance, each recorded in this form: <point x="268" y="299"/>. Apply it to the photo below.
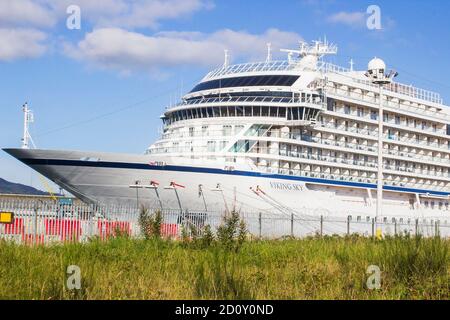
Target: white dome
<point x="376" y="64"/>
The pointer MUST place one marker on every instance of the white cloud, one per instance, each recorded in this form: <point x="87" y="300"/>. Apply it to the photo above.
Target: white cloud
<point x="129" y="13"/>
<point x="128" y="51"/>
<point x="25" y="13"/>
<point x="21" y="43"/>
<point x="354" y="19"/>
<point x="25" y="21"/>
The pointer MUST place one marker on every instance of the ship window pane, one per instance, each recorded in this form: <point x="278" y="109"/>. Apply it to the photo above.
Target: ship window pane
<point x="233" y="82"/>
<point x="347" y="109"/>
<point x="282" y="81"/>
<point x="226" y="130"/>
<point x="251" y="81"/>
<point x="282" y="113"/>
<point x="265" y="111"/>
<point x="248" y="111"/>
<point x="239" y="111"/>
<point x="259" y="81"/>
<point x="223" y="112"/>
<point x="268" y="81"/>
<point x="278" y="81"/>
<point x="230" y="82"/>
<point x="289" y="113"/>
<point x="273" y="111"/>
<point x="211" y="146"/>
<point x="256" y="111"/>
<point x="330" y="104"/>
<point x="285" y="82"/>
<point x="246" y="81"/>
<point x="224" y="83"/>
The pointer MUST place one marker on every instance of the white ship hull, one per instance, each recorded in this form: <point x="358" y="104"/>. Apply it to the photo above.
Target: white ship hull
<point x="208" y="186"/>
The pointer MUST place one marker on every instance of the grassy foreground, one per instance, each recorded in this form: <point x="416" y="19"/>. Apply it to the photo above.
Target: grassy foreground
<point x="316" y="268"/>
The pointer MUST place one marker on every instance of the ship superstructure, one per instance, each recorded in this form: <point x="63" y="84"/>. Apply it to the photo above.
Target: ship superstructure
<point x="302" y="131"/>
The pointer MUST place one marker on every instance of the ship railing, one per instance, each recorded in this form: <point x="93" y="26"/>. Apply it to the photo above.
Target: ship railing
<point x="370" y="165"/>
<point x="276" y="65"/>
<point x="250" y="99"/>
<point x="387" y="104"/>
<point x="394" y="87"/>
<point x="221" y="134"/>
<point x="429" y="129"/>
<point x="374" y="133"/>
<point x="331" y="125"/>
<point x="351" y="177"/>
<point x="283" y="65"/>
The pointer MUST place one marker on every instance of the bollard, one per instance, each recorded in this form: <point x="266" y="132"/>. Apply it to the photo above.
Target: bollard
<point x="395" y="226"/>
<point x="417" y="227"/>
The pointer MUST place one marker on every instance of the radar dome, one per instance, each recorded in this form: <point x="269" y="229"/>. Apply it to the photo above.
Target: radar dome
<point x="376" y="64"/>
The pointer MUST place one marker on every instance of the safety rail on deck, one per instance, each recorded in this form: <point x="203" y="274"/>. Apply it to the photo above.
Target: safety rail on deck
<point x="324" y="160"/>
<point x="394" y="87"/>
<point x="247" y="99"/>
<point x="276" y="65"/>
<point x="326" y="67"/>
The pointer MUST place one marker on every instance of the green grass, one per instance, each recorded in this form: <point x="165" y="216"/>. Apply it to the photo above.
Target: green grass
<point x="315" y="268"/>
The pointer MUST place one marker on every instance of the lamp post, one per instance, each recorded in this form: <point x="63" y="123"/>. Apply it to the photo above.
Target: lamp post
<point x="376" y="74"/>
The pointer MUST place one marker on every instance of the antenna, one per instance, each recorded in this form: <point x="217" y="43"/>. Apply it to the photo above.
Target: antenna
<point x="308" y="55"/>
<point x="269" y="52"/>
<point x="317" y="49"/>
<point x="28" y="118"/>
<point x="351" y="64"/>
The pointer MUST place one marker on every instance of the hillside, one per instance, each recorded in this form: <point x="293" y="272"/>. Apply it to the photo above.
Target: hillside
<point x="7" y="187"/>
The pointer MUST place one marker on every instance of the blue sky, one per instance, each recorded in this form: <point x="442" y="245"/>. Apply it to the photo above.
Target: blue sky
<point x="104" y="86"/>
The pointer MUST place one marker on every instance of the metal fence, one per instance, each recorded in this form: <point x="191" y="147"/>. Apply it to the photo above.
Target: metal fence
<point x="45" y="223"/>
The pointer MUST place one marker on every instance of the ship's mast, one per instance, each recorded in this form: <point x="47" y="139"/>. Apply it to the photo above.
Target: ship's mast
<point x="27" y="119"/>
<point x="308" y="55"/>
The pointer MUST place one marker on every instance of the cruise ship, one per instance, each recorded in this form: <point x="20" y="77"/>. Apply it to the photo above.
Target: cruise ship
<point x="299" y="134"/>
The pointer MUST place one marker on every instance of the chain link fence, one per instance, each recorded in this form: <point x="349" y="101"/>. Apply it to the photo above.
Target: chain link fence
<point x="37" y="222"/>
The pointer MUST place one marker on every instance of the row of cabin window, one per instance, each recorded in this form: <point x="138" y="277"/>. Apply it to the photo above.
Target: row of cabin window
<point x="291" y="113"/>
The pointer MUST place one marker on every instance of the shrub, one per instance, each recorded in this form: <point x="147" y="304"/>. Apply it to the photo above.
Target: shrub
<point x="232" y="233"/>
<point x="150" y="223"/>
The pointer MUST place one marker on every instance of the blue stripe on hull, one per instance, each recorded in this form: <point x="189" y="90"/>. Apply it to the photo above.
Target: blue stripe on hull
<point x="143" y="166"/>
